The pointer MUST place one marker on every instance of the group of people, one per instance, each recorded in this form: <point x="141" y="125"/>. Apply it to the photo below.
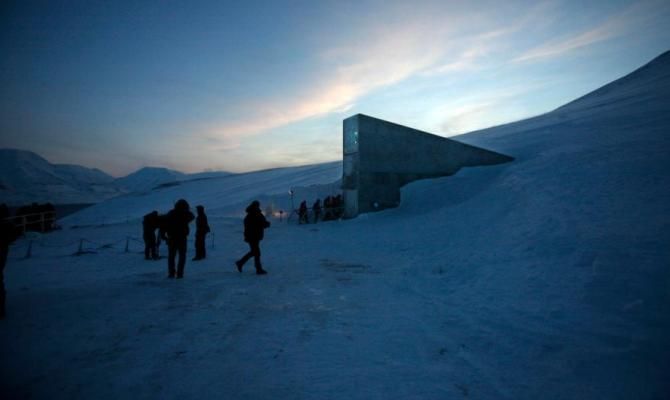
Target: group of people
<point x="332" y="209"/>
<point x="173" y="228"/>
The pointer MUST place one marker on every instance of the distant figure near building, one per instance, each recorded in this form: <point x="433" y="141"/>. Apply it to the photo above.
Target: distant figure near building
<point x="337" y="206"/>
<point x="316" y="208"/>
<point x="177" y="233"/>
<point x="254" y="227"/>
<point x="302" y="213"/>
<point x="201" y="231"/>
<point x="328" y="208"/>
<point x="8" y="234"/>
<point x="149" y="226"/>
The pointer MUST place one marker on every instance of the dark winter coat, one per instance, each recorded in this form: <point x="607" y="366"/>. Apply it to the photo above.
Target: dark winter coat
<point x="177" y="223"/>
<point x="254" y="225"/>
<point x="150" y="223"/>
<point x="201" y="225"/>
<point x="162" y="226"/>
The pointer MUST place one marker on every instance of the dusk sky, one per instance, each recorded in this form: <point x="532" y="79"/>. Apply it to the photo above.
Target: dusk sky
<point x="246" y="85"/>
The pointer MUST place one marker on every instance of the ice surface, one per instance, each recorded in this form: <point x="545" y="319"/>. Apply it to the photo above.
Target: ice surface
<point x="544" y="278"/>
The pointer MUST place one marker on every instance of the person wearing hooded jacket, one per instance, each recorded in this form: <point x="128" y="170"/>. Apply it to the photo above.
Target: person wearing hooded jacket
<point x="149" y="226"/>
<point x="201" y="231"/>
<point x="176" y="231"/>
<point x="254" y="227"/>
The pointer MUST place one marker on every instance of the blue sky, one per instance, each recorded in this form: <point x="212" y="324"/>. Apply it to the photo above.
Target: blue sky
<point x="241" y="86"/>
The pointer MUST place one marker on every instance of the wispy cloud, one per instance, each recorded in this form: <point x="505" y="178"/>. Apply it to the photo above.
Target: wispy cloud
<point x="616" y="25"/>
<point x="475" y="50"/>
<point x="484" y="109"/>
<point x="387" y="53"/>
<point x="383" y="54"/>
<point x="386" y="57"/>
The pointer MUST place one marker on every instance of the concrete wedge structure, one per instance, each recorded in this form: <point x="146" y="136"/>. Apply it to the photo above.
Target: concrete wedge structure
<point x="380" y="157"/>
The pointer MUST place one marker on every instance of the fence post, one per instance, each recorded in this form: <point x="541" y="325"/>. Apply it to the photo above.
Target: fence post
<point x="29" y="252"/>
<point x="127" y="243"/>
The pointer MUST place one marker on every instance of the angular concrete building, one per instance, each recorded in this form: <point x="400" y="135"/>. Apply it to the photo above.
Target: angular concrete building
<point x="380" y="157"/>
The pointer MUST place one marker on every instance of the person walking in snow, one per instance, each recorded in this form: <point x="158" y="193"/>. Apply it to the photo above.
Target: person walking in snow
<point x="8" y="234"/>
<point x="177" y="233"/>
<point x="149" y="226"/>
<point x="254" y="227"/>
<point x="201" y="231"/>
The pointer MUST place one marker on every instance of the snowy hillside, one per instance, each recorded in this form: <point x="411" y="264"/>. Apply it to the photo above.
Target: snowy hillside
<point x="147" y="178"/>
<point x="26" y="177"/>
<point x="223" y="196"/>
<point x="545" y="278"/>
<point x="150" y="178"/>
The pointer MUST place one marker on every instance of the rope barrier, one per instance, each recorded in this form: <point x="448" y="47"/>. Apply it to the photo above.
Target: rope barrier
<point x="83" y="245"/>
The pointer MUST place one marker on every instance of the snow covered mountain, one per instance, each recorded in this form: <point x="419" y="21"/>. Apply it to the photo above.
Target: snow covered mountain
<point x="148" y="178"/>
<point x="543" y="278"/>
<point x="26" y="177"/>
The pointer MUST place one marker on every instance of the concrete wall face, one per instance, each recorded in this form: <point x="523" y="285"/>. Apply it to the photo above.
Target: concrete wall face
<point x="380" y="157"/>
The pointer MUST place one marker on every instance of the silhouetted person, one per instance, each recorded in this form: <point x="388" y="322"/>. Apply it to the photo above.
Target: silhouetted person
<point x="254" y="227"/>
<point x="201" y="231"/>
<point x="302" y="213"/>
<point x="8" y="234"/>
<point x="316" y="207"/>
<point x="149" y="226"/>
<point x="337" y="206"/>
<point x="177" y="233"/>
<point x="328" y="208"/>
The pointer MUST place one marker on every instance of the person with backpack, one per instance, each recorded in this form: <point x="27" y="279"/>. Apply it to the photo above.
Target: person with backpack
<point x="254" y="227"/>
<point x="201" y="231"/>
<point x="149" y="226"/>
<point x="177" y="233"/>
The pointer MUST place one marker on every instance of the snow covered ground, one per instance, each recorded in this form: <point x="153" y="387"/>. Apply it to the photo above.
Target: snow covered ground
<point x="544" y="278"/>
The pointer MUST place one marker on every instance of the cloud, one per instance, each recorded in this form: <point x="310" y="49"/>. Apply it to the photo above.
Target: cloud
<point x="484" y="109"/>
<point x="614" y="26"/>
<point x="488" y="48"/>
<point x="384" y="58"/>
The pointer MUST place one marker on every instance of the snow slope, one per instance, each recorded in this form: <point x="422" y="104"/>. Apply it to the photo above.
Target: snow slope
<point x="26" y="177"/>
<point x="147" y="178"/>
<point x="223" y="196"/>
<point x="544" y="278"/>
